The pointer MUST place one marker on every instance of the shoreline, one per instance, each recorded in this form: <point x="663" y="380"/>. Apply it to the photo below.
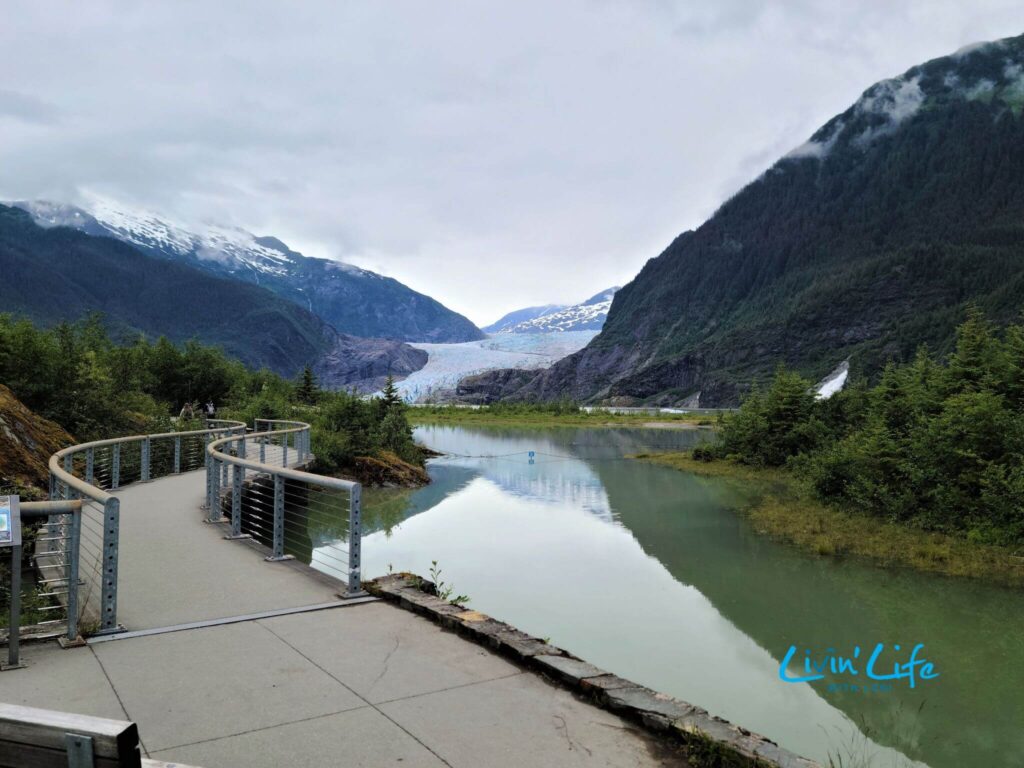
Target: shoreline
<point x="642" y="421"/>
<point x="784" y="510"/>
<point x="699" y="737"/>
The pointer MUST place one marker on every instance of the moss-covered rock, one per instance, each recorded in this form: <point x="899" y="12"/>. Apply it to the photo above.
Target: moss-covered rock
<point x="388" y="470"/>
<point x="26" y="443"/>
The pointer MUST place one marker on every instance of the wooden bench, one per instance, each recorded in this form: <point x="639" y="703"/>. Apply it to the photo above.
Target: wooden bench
<point x="43" y="738"/>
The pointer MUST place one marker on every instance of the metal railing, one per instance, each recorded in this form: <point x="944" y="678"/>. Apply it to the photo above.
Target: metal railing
<point x="53" y="591"/>
<point x="253" y="481"/>
<point x="88" y="542"/>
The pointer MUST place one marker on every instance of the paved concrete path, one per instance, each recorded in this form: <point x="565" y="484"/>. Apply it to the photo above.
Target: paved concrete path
<point x="174" y="568"/>
<point x="355" y="685"/>
<point x="365" y="685"/>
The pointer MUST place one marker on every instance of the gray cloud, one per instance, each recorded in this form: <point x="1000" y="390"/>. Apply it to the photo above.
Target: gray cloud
<point x="29" y="109"/>
<point x="493" y="155"/>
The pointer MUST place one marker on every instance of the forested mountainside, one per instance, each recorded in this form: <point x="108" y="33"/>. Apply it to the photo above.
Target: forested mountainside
<point x="354" y="301"/>
<point x="55" y="274"/>
<point x="863" y="243"/>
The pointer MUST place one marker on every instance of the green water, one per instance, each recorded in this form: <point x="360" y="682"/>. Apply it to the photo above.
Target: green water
<point x="651" y="574"/>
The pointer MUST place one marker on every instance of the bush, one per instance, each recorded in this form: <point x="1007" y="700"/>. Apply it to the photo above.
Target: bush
<point x="936" y="446"/>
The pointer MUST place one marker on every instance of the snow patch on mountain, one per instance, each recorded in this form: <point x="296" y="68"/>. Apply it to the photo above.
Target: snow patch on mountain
<point x="447" y="364"/>
<point x="834" y="382"/>
<point x="521" y="315"/>
<point x="352" y="300"/>
<point x="232" y="248"/>
<point x="586" y="316"/>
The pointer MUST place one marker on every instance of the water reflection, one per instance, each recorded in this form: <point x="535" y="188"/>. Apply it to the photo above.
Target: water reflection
<point x="649" y="573"/>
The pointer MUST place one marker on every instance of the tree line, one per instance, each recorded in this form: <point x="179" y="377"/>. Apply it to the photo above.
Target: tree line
<point x="76" y="375"/>
<point x="934" y="444"/>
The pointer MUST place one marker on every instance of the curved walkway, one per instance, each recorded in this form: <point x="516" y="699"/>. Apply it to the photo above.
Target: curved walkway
<point x="347" y="684"/>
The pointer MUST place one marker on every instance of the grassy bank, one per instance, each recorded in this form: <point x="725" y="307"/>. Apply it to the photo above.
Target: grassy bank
<point x="553" y="416"/>
<point x="783" y="508"/>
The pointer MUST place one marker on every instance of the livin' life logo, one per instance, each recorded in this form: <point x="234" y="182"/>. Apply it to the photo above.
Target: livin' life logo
<point x="915" y="668"/>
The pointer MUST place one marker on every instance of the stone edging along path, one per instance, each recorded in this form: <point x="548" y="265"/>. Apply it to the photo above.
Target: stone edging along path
<point x="706" y="739"/>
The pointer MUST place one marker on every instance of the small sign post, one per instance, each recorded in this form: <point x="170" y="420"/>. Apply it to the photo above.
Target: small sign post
<point x="10" y="539"/>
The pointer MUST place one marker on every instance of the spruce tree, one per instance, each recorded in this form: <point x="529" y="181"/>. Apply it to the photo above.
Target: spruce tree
<point x="307" y="391"/>
<point x="391" y="398"/>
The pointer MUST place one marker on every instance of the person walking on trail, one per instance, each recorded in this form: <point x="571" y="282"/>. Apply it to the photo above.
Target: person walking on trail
<point x="211" y="412"/>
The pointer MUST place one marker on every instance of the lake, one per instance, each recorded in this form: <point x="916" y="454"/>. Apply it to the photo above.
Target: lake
<point x="653" y="574"/>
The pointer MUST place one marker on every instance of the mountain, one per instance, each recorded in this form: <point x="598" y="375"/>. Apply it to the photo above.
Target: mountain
<point x="588" y="315"/>
<point x="353" y="300"/>
<point x="58" y="273"/>
<point x="862" y="243"/>
<point x="513" y="319"/>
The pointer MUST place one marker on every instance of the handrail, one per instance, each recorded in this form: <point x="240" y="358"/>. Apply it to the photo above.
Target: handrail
<point x="31" y="510"/>
<point x="219" y="460"/>
<point x="98" y="493"/>
<point x="64" y="484"/>
<point x="291" y="474"/>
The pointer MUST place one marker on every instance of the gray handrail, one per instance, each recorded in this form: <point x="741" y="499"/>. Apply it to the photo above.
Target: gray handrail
<point x="99" y="494"/>
<point x="219" y="460"/>
<point x="291" y="474"/>
<point x="31" y="510"/>
<point x="64" y="484"/>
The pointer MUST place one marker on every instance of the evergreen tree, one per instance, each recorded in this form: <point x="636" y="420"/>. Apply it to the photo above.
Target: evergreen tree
<point x="390" y="396"/>
<point x="308" y="391"/>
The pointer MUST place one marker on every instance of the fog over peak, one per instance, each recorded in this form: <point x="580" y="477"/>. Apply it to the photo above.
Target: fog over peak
<point x="558" y="145"/>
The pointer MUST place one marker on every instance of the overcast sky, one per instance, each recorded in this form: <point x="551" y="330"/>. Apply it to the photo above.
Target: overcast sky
<point x="493" y="155"/>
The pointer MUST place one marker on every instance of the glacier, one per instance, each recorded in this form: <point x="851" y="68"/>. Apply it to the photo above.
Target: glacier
<point x="447" y="364"/>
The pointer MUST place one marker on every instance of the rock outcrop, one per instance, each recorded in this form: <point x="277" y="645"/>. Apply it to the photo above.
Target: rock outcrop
<point x="366" y="363"/>
<point x="26" y="443"/>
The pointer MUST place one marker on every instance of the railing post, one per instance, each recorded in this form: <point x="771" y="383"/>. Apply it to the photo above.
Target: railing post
<point x="209" y="472"/>
<point x="214" y="512"/>
<point x="68" y="467"/>
<point x="115" y="468"/>
<point x="263" y="450"/>
<point x="111" y="530"/>
<point x="72" y="575"/>
<point x="90" y="465"/>
<point x="236" y="503"/>
<point x="53" y="487"/>
<point x="14" y="625"/>
<point x="224" y="472"/>
<point x="278" y="519"/>
<point x="145" y="460"/>
<point x="355" y="542"/>
<point x="284" y="446"/>
<point x="177" y="455"/>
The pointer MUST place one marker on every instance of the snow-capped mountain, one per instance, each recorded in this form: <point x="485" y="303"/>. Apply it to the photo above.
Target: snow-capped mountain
<point x="50" y="277"/>
<point x="518" y="316"/>
<point x="585" y="316"/>
<point x="353" y="300"/>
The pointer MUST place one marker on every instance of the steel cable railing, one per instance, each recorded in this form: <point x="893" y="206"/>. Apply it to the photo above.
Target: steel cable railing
<point x="253" y="481"/>
<point x="87" y="543"/>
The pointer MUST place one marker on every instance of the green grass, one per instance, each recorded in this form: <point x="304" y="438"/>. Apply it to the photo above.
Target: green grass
<point x="783" y="508"/>
<point x="551" y="416"/>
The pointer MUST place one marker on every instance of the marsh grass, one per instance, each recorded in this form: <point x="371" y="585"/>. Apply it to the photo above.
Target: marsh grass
<point x="782" y="506"/>
<point x="528" y="415"/>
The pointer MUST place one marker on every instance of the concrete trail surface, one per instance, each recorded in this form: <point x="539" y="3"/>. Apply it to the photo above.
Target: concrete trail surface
<point x="363" y="684"/>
